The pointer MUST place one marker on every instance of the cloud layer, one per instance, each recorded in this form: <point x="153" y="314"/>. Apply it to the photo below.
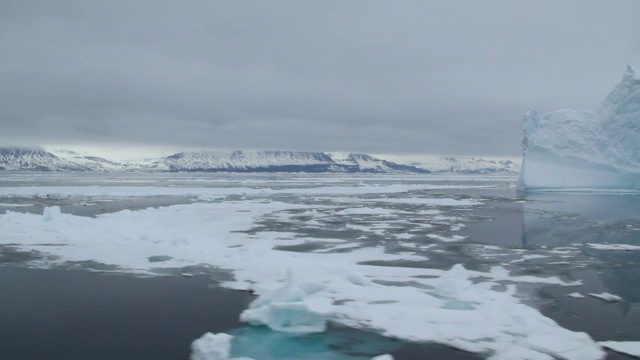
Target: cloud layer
<point x="381" y="77"/>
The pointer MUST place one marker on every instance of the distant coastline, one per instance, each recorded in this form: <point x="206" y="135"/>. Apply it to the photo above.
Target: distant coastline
<point x="37" y="159"/>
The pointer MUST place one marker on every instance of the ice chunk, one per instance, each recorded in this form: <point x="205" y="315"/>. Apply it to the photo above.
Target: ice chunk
<point x="454" y="282"/>
<point x="614" y="247"/>
<point x="290" y="309"/>
<point x="607" y="297"/>
<point x="51" y="213"/>
<point x="576" y="295"/>
<point x="357" y="279"/>
<point x="383" y="357"/>
<point x="585" y="149"/>
<point x="211" y="197"/>
<point x="626" y="347"/>
<point x="211" y="347"/>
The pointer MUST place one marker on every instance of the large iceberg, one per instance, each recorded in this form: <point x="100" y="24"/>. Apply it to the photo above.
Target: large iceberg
<point x="585" y="149"/>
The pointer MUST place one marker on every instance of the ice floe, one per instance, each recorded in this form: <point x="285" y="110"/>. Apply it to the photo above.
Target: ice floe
<point x="607" y="297"/>
<point x="383" y="357"/>
<point x="51" y="213"/>
<point x="290" y="308"/>
<point x="614" y="247"/>
<point x="576" y="295"/>
<point x="213" y="347"/>
<point x="626" y="347"/>
<point x="457" y="307"/>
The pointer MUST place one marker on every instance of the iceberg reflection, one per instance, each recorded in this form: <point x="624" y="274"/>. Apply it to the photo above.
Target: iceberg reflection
<point x="563" y="219"/>
<point x="594" y="222"/>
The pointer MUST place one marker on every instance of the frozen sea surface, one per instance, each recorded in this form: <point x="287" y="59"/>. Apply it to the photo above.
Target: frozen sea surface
<point x="460" y="261"/>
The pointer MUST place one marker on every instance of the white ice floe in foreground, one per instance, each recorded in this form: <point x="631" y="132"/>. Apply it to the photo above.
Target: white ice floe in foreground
<point x="614" y="247"/>
<point x="211" y="347"/>
<point x="290" y="309"/>
<point x="383" y="357"/>
<point x="409" y="303"/>
<point x="626" y="347"/>
<point x="576" y="295"/>
<point x="585" y="149"/>
<point x="607" y="297"/>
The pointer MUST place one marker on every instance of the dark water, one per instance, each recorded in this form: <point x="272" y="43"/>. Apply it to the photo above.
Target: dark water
<point x="55" y="314"/>
<point x="68" y="315"/>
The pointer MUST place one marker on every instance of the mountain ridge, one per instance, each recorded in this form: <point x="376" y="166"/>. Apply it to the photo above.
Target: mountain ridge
<point x="38" y="159"/>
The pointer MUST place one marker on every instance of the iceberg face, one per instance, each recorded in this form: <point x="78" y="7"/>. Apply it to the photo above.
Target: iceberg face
<point x="585" y="149"/>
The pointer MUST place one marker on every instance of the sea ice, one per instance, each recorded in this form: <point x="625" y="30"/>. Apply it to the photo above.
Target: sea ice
<point x="211" y="197"/>
<point x="289" y="309"/>
<point x="576" y="295"/>
<point x="409" y="303"/>
<point x="583" y="149"/>
<point x="213" y="347"/>
<point x="51" y="213"/>
<point x="614" y="247"/>
<point x="607" y="297"/>
<point x="626" y="347"/>
<point x="383" y="357"/>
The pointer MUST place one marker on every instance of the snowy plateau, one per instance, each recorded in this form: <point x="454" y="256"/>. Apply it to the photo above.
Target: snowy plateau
<point x="37" y="159"/>
<point x="585" y="149"/>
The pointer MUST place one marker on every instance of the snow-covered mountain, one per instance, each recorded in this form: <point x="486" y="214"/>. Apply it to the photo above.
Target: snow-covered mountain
<point x="232" y="161"/>
<point x="283" y="161"/>
<point x="87" y="162"/>
<point x="41" y="160"/>
<point x="470" y="165"/>
<point x="368" y="163"/>
<point x="244" y="161"/>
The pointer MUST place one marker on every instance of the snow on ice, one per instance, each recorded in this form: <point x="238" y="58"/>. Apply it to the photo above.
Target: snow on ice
<point x="51" y="213"/>
<point x="211" y="347"/>
<point x="607" y="297"/>
<point x="626" y="347"/>
<point x="584" y="149"/>
<point x="614" y="247"/>
<point x="290" y="309"/>
<point x="409" y="303"/>
<point x="576" y="295"/>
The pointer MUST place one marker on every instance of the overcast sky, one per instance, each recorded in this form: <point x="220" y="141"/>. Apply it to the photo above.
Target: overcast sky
<point x="383" y="77"/>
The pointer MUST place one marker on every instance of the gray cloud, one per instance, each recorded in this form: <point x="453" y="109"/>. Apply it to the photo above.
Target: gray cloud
<point x="381" y="77"/>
